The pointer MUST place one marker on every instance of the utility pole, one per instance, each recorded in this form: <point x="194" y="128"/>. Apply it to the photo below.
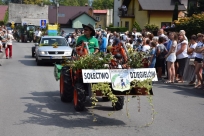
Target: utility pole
<point x="57" y="5"/>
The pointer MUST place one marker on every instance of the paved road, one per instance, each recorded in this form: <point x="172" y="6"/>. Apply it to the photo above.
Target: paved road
<point x="30" y="106"/>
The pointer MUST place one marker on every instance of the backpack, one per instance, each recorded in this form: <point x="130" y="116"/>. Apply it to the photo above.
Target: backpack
<point x="163" y="53"/>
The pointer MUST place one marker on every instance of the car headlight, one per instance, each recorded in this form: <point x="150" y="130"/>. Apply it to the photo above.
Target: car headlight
<point x="68" y="53"/>
<point x="42" y="52"/>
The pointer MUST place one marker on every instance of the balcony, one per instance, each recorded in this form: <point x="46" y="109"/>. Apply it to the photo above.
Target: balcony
<point x="128" y="14"/>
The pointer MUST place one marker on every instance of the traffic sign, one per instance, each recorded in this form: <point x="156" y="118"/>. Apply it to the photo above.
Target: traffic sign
<point x="42" y="23"/>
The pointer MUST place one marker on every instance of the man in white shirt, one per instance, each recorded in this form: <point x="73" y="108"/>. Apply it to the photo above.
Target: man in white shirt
<point x="38" y="34"/>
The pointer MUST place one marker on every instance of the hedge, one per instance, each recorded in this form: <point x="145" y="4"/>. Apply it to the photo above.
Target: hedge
<point x="117" y="29"/>
<point x="192" y="25"/>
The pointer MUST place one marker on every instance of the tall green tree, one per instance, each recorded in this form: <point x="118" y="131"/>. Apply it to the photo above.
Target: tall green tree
<point x="175" y="13"/>
<point x="1" y="2"/>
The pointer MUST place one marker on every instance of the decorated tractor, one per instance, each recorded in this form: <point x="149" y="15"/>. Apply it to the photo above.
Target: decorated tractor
<point x="25" y="33"/>
<point x="110" y="76"/>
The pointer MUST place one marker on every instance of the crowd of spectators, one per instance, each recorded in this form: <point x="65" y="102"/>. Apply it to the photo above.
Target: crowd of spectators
<point x="175" y="57"/>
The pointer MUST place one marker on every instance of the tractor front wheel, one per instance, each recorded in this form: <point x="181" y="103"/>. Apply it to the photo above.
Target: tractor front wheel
<point x="119" y="104"/>
<point x="79" y="97"/>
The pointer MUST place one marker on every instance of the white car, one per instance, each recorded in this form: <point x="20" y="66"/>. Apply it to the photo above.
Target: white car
<point x="52" y="49"/>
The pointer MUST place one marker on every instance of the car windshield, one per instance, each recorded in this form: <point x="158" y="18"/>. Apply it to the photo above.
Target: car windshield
<point x="53" y="41"/>
<point x="30" y="28"/>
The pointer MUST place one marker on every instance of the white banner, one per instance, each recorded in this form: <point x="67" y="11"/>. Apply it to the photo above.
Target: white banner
<point x="96" y="76"/>
<point x="142" y="74"/>
<point x="114" y="75"/>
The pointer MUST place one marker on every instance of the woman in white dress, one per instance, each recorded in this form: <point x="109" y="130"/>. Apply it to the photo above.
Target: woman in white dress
<point x="171" y="57"/>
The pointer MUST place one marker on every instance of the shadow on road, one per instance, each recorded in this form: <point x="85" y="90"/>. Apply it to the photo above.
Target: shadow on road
<point x="33" y="63"/>
<point x="50" y="111"/>
<point x="183" y="89"/>
<point x="28" y="56"/>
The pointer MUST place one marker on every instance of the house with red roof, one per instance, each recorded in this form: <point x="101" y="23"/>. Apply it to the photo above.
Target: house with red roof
<point x="71" y="16"/>
<point x="3" y="9"/>
<point x="104" y="17"/>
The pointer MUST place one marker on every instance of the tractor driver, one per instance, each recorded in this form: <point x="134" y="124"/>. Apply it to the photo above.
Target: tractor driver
<point x="88" y="36"/>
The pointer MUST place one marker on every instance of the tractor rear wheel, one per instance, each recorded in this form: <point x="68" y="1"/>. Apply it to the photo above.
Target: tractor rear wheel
<point x="119" y="104"/>
<point x="66" y="88"/>
<point x="79" y="97"/>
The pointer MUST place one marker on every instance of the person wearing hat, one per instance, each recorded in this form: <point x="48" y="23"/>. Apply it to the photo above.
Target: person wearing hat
<point x="88" y="36"/>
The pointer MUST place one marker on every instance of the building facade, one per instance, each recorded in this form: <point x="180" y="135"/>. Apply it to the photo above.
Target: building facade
<point x="20" y="14"/>
<point x="104" y="17"/>
<point x="116" y="18"/>
<point x="158" y="12"/>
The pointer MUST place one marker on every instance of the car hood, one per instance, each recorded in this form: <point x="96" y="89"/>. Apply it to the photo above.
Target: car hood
<point x="50" y="48"/>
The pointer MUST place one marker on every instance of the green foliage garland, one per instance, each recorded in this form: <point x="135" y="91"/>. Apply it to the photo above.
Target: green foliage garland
<point x="91" y="61"/>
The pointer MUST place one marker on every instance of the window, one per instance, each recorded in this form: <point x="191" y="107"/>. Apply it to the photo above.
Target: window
<point x="97" y="18"/>
<point x="99" y="26"/>
<point x="127" y="24"/>
<point x="118" y="24"/>
<point x="165" y="25"/>
<point x="61" y="15"/>
<point x="121" y="24"/>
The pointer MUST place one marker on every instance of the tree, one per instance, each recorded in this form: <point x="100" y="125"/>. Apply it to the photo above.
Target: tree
<point x="191" y="10"/>
<point x="103" y="4"/>
<point x="136" y="25"/>
<point x="46" y="2"/>
<point x="16" y="1"/>
<point x="200" y="7"/>
<point x="175" y="13"/>
<point x="4" y="2"/>
<point x="32" y="1"/>
<point x="6" y="16"/>
<point x="192" y="25"/>
<point x="1" y="2"/>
